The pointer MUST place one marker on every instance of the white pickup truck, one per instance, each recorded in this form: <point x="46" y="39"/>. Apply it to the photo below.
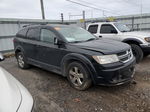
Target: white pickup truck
<point x="139" y="41"/>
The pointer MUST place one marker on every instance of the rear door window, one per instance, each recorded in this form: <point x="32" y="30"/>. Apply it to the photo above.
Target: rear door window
<point x="107" y="28"/>
<point x="33" y="33"/>
<point x="93" y="29"/>
<point x="47" y="36"/>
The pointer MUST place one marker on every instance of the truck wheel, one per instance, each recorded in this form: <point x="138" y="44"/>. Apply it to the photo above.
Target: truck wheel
<point x="21" y="61"/>
<point x="137" y="52"/>
<point x="146" y="54"/>
<point x="78" y="76"/>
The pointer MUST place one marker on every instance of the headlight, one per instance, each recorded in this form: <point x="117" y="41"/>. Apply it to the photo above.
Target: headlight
<point x="147" y="39"/>
<point x="106" y="59"/>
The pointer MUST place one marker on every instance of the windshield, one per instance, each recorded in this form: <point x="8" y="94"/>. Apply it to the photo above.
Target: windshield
<point x="122" y="27"/>
<point x="75" y="34"/>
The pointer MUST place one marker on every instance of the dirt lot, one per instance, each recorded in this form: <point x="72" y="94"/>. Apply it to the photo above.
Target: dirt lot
<point x="52" y="92"/>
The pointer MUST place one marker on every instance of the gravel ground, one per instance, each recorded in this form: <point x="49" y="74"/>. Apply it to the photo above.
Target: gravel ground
<point x="52" y="92"/>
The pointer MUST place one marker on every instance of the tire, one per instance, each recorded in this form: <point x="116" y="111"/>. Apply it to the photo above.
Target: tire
<point x="21" y="61"/>
<point x="78" y="76"/>
<point x="146" y="54"/>
<point x="137" y="52"/>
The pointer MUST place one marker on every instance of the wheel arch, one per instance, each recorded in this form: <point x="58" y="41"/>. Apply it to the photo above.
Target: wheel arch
<point x="79" y="58"/>
<point x="137" y="50"/>
<point x="132" y="41"/>
<point x="18" y="49"/>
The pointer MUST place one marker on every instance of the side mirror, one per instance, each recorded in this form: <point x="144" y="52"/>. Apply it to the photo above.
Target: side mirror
<point x="114" y="31"/>
<point x="58" y="42"/>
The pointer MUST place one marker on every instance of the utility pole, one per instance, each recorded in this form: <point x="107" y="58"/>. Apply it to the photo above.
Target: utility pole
<point x="133" y="23"/>
<point x="81" y="20"/>
<point x="84" y="19"/>
<point x="141" y="9"/>
<point x="91" y="14"/>
<point x="62" y="17"/>
<point x="42" y="9"/>
<point x="69" y="16"/>
<point x="104" y="14"/>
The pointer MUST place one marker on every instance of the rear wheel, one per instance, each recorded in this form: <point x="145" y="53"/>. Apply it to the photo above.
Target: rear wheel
<point x="137" y="52"/>
<point x="78" y="76"/>
<point x="21" y="61"/>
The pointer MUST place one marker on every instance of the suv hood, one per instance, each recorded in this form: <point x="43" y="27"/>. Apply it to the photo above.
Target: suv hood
<point x="139" y="34"/>
<point x="10" y="96"/>
<point x="104" y="46"/>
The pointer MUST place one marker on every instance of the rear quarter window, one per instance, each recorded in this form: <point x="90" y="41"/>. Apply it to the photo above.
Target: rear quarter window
<point x="22" y="33"/>
<point x="33" y="33"/>
<point x="93" y="29"/>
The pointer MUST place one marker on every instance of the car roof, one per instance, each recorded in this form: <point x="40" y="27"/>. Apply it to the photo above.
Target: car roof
<point x="102" y="23"/>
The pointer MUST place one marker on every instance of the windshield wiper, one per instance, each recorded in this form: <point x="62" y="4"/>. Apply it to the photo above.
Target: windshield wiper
<point x="84" y="41"/>
<point x="76" y="41"/>
<point x="126" y="31"/>
<point x="91" y="39"/>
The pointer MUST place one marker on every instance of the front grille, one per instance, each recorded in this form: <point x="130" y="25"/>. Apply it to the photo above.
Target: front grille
<point x="125" y="56"/>
<point x="121" y="53"/>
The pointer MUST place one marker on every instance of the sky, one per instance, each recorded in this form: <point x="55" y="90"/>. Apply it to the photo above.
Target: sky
<point x="30" y="9"/>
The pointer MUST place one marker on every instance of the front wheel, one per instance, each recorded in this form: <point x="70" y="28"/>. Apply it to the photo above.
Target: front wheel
<point x="78" y="76"/>
<point x="137" y="52"/>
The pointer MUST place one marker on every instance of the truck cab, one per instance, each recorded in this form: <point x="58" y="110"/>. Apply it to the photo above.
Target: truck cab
<point x="139" y="41"/>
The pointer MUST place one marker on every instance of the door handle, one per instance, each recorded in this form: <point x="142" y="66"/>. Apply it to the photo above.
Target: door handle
<point x="100" y="36"/>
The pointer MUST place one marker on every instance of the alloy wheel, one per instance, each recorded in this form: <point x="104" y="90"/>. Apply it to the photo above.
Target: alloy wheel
<point x="76" y="76"/>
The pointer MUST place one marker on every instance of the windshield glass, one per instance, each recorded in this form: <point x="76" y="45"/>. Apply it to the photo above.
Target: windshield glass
<point x="122" y="27"/>
<point x="75" y="34"/>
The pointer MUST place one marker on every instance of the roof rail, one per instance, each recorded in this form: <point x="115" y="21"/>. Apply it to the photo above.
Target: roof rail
<point x="34" y="24"/>
<point x="109" y="19"/>
<point x="65" y="23"/>
<point x="26" y="25"/>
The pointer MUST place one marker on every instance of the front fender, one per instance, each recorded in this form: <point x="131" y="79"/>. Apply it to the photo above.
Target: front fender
<point x="81" y="58"/>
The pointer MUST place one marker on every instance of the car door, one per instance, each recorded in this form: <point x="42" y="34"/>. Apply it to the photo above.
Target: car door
<point x="49" y="55"/>
<point x="30" y="44"/>
<point x="108" y="31"/>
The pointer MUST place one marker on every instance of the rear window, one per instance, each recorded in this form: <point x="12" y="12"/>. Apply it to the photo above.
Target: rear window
<point x="33" y="33"/>
<point x="93" y="28"/>
<point x="22" y="33"/>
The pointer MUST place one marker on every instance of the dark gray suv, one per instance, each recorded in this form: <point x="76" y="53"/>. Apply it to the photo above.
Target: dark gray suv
<point x="76" y="54"/>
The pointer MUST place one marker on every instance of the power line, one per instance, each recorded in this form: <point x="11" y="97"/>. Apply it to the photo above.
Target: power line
<point x="139" y="4"/>
<point x="136" y="3"/>
<point x="90" y="6"/>
<point x="97" y="6"/>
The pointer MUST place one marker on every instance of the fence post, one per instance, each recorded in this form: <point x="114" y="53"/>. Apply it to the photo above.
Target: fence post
<point x="133" y="23"/>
